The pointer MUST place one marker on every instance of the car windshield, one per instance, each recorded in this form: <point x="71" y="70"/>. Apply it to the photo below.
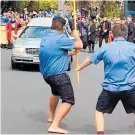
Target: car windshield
<point x="35" y="32"/>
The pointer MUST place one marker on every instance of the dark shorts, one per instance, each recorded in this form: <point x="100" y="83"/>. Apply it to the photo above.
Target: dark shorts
<point x="61" y="86"/>
<point x="108" y="100"/>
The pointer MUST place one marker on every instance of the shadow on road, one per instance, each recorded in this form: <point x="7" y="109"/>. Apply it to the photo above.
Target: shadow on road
<point x="42" y="117"/>
<point x="27" y="68"/>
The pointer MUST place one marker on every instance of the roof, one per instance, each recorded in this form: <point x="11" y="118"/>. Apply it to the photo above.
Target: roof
<point x="46" y="22"/>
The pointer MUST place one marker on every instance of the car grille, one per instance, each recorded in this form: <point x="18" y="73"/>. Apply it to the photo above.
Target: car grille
<point x="33" y="51"/>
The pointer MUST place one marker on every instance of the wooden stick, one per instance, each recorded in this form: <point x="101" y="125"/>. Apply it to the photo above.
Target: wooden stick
<point x="77" y="57"/>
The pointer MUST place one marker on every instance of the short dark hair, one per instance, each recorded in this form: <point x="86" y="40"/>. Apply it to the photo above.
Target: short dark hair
<point x="58" y="23"/>
<point x="120" y="30"/>
<point x="123" y="18"/>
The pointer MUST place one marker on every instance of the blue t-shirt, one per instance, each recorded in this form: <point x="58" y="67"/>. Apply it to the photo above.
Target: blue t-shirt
<point x="57" y="15"/>
<point x="53" y="53"/>
<point x="119" y="64"/>
<point x="5" y="20"/>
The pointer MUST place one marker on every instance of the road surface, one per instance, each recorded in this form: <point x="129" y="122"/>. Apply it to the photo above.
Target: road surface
<point x="25" y="102"/>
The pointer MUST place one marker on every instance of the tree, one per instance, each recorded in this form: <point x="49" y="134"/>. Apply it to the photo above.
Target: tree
<point x="111" y="9"/>
<point x="48" y="3"/>
<point x="20" y="5"/>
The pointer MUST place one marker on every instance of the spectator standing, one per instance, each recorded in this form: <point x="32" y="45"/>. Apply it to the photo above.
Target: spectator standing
<point x="104" y="27"/>
<point x="78" y="14"/>
<point x="92" y="36"/>
<point x="12" y="29"/>
<point x="130" y="29"/>
<point x="83" y="29"/>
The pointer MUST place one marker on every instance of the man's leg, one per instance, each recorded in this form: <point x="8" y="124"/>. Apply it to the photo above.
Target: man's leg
<point x="100" y="41"/>
<point x="61" y="113"/>
<point x="99" y="119"/>
<point x="85" y="42"/>
<point x="66" y="93"/>
<point x="89" y="46"/>
<point x="53" y="102"/>
<point x="128" y="101"/>
<point x="106" y="39"/>
<point x="105" y="104"/>
<point x="93" y="46"/>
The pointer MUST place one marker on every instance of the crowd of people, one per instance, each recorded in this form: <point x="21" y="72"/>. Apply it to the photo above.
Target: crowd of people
<point x="92" y="30"/>
<point x="13" y="22"/>
<point x="91" y="27"/>
<point x="119" y="59"/>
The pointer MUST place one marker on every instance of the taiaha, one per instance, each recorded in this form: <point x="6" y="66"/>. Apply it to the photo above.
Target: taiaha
<point x="77" y="57"/>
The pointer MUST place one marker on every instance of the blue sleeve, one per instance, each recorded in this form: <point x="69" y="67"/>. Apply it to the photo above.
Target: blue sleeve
<point x="66" y="43"/>
<point x="96" y="57"/>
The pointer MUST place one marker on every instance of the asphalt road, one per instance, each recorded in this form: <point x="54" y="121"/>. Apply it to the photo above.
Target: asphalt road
<point x="25" y="95"/>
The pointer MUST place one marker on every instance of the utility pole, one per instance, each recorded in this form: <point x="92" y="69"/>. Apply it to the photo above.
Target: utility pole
<point x="61" y="4"/>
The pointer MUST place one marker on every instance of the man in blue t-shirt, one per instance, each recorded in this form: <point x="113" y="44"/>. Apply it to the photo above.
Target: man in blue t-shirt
<point x="54" y="61"/>
<point x="119" y="78"/>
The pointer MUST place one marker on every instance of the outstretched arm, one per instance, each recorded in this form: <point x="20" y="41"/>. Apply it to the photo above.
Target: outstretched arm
<point x="84" y="64"/>
<point x="94" y="58"/>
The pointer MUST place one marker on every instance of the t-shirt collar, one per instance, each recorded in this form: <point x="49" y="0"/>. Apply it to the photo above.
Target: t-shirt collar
<point x="119" y="39"/>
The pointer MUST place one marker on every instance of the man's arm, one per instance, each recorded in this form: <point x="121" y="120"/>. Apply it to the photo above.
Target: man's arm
<point x="73" y="52"/>
<point x="94" y="58"/>
<point x="78" y="41"/>
<point x="86" y="63"/>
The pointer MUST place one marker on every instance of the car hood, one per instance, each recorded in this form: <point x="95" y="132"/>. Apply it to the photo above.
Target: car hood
<point x="28" y="42"/>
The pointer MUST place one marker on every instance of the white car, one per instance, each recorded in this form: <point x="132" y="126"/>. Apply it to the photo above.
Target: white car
<point x="26" y="47"/>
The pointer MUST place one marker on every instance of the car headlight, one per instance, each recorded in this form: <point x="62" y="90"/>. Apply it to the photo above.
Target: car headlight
<point x="18" y="50"/>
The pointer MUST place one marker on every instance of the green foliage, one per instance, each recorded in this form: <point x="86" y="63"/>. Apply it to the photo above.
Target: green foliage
<point x="21" y="4"/>
<point x="33" y="5"/>
<point x="48" y="3"/>
<point x="67" y="2"/>
<point x="36" y="5"/>
<point x="111" y="9"/>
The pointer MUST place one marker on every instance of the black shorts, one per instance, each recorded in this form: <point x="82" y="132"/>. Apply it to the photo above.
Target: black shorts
<point x="108" y="100"/>
<point x="61" y="86"/>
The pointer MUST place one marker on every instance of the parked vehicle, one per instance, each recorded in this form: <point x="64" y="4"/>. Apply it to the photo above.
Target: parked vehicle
<point x="26" y="47"/>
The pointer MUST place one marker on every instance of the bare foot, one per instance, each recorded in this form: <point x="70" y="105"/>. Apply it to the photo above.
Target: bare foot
<point x="57" y="130"/>
<point x="50" y="120"/>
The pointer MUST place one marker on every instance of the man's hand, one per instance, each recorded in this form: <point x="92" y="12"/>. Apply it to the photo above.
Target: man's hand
<point x="73" y="52"/>
<point x="77" y="69"/>
<point x="83" y="65"/>
<point x="105" y="31"/>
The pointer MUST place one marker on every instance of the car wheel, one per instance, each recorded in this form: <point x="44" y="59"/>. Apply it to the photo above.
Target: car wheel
<point x="15" y="65"/>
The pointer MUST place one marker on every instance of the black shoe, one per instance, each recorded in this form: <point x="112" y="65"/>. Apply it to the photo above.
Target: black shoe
<point x="2" y="46"/>
<point x="89" y="51"/>
<point x="92" y="51"/>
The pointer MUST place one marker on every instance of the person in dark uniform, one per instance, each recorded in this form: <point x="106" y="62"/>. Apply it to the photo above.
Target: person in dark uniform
<point x="92" y="36"/>
<point x="104" y="27"/>
<point x="130" y="37"/>
<point x="83" y="29"/>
